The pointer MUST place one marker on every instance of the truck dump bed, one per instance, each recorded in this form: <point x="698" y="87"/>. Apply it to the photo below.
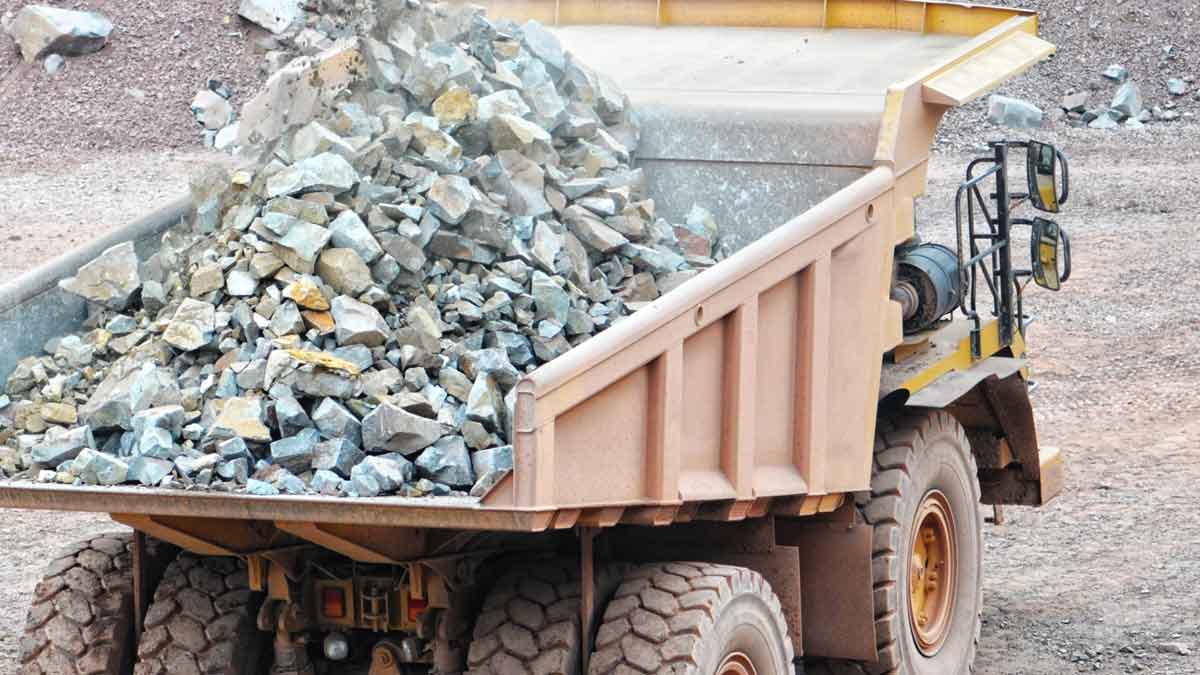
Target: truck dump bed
<point x="805" y="127"/>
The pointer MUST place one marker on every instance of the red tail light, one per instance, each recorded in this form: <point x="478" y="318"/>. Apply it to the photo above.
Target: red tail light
<point x="333" y="603"/>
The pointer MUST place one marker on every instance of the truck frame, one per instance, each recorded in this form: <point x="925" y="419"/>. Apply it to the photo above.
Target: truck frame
<point x="765" y="443"/>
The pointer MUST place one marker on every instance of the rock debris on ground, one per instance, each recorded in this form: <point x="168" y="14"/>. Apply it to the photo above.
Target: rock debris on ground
<point x="448" y="206"/>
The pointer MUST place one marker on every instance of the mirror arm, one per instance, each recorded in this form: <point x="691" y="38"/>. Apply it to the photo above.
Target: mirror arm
<point x="1066" y="176"/>
<point x="1066" y="241"/>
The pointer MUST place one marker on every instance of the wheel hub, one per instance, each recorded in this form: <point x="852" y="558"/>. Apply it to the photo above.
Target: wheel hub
<point x="737" y="663"/>
<point x="932" y="573"/>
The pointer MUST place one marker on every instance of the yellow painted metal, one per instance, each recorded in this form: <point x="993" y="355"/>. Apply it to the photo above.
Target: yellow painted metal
<point x="908" y="15"/>
<point x="958" y="19"/>
<point x="975" y="76"/>
<point x="932" y="565"/>
<point x="961" y="358"/>
<point x="1053" y="472"/>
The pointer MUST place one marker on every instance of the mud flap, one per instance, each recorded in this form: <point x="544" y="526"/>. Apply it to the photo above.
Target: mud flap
<point x="836" y="583"/>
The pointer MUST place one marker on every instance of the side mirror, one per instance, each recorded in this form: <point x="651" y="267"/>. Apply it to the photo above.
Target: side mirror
<point x="1042" y="165"/>
<point x="1047" y="240"/>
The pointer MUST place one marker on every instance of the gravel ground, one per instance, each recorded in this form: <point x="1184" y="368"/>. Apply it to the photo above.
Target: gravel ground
<point x="1095" y="582"/>
<point x="134" y="94"/>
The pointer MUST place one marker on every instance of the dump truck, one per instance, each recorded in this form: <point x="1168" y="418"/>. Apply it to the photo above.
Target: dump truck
<point x="778" y="465"/>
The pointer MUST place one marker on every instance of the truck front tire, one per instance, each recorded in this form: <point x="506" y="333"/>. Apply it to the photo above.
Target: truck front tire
<point x="928" y="549"/>
<point x="693" y="619"/>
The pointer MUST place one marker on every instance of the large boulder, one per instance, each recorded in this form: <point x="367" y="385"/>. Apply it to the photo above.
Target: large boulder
<point x="274" y="15"/>
<point x="110" y="280"/>
<point x="40" y="30"/>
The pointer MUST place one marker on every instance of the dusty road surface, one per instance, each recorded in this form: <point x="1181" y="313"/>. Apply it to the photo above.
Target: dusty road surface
<point x="1105" y="580"/>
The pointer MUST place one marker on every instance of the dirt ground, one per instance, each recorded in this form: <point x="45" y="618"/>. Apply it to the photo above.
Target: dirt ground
<point x="1103" y="580"/>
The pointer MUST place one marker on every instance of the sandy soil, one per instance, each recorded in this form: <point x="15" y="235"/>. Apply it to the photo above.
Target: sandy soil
<point x="1096" y="582"/>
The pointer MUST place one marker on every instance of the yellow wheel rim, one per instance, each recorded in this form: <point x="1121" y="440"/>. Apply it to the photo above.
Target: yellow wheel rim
<point x="737" y="663"/>
<point x="932" y="573"/>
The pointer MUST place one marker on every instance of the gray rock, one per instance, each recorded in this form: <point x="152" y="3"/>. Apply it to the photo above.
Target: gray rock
<point x="345" y="271"/>
<point x="287" y="320"/>
<point x="205" y="280"/>
<point x="326" y="483"/>
<point x="492" y="362"/>
<point x="110" y="280"/>
<point x="551" y="301"/>
<point x="1176" y="87"/>
<point x="485" y="403"/>
<point x="338" y="455"/>
<point x="1116" y="73"/>
<point x="234" y="448"/>
<point x="1128" y="100"/>
<point x="39" y="30"/>
<point x="334" y="421"/>
<point x="295" y="453"/>
<point x="349" y="231"/>
<point x="156" y="442"/>
<point x="274" y="15"/>
<point x="544" y="45"/>
<point x="236" y="470"/>
<point x="54" y="64"/>
<point x="241" y="284"/>
<point x="1076" y="102"/>
<point x="169" y="417"/>
<point x="593" y="232"/>
<point x="192" y="326"/>
<point x="389" y="428"/>
<point x="517" y="346"/>
<point x="504" y="102"/>
<point x="315" y="138"/>
<point x="520" y="180"/>
<point x="211" y="111"/>
<point x="60" y="444"/>
<point x="450" y="198"/>
<point x="509" y="132"/>
<point x="148" y="470"/>
<point x="359" y="355"/>
<point x="98" y="468"/>
<point x="1108" y="120"/>
<point x="121" y="324"/>
<point x="242" y="417"/>
<point x="122" y="393"/>
<point x="299" y="248"/>
<point x="455" y="383"/>
<point x="380" y="475"/>
<point x="291" y="416"/>
<point x="326" y="172"/>
<point x="358" y="323"/>
<point x="260" y="488"/>
<point x="1013" y="112"/>
<point x="447" y="461"/>
<point x="491" y="466"/>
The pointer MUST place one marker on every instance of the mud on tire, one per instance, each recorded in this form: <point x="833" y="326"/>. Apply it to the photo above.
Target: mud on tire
<point x="81" y="618"/>
<point x="202" y="620"/>
<point x="530" y="619"/>
<point x="685" y="618"/>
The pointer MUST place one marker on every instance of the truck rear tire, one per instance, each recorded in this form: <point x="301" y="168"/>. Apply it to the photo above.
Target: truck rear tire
<point x="694" y="619"/>
<point x="530" y="619"/>
<point x="81" y="618"/>
<point x="202" y="620"/>
<point x="928" y="547"/>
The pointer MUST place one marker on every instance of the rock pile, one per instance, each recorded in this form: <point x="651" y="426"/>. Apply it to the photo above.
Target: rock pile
<point x="1126" y="108"/>
<point x="450" y="204"/>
